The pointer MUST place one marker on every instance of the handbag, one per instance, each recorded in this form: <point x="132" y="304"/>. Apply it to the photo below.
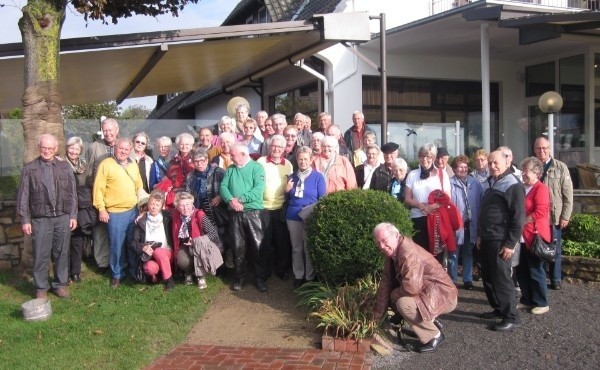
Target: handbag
<point x="543" y="250"/>
<point x="139" y="274"/>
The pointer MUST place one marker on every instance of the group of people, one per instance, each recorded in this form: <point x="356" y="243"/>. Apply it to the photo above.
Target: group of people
<point x="501" y="209"/>
<point x="243" y="195"/>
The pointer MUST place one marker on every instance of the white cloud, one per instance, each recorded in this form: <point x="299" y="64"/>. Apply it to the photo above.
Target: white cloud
<point x="207" y="13"/>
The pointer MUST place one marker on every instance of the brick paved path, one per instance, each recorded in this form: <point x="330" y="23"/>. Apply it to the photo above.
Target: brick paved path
<point x="208" y="357"/>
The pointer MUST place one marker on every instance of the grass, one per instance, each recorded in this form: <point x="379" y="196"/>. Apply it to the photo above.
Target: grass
<point x="98" y="327"/>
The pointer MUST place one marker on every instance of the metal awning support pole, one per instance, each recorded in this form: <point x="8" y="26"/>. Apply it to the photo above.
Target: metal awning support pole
<point x="383" y="73"/>
<point x="457" y="138"/>
<point x="485" y="86"/>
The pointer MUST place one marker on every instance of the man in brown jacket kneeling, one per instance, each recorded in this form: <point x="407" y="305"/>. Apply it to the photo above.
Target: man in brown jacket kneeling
<point x="415" y="285"/>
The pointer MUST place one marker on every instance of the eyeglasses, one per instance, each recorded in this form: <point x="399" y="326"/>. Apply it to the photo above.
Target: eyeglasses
<point x="542" y="148"/>
<point x="426" y="157"/>
<point x="290" y="135"/>
<point x="47" y="149"/>
<point x="200" y="160"/>
<point x="140" y="142"/>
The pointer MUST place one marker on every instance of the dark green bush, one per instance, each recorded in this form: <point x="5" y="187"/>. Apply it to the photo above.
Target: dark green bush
<point x="583" y="228"/>
<point x="581" y="249"/>
<point x="340" y="233"/>
<point x="9" y="186"/>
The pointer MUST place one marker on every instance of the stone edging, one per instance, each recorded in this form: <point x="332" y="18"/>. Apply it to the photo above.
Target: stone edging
<point x="581" y="270"/>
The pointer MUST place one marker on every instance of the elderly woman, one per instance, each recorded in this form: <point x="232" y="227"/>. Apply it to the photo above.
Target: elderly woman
<point x="196" y="243"/>
<point x="364" y="171"/>
<point x="481" y="171"/>
<point x="144" y="161"/>
<point x="253" y="143"/>
<point x="152" y="241"/>
<point x="304" y="189"/>
<point x="360" y="155"/>
<point x="241" y="115"/>
<point x="86" y="216"/>
<point x="398" y="184"/>
<point x="530" y="272"/>
<point x="181" y="165"/>
<point x="419" y="184"/>
<point x="226" y="124"/>
<point x="316" y="143"/>
<point x="337" y="170"/>
<point x="466" y="193"/>
<point x="158" y="170"/>
<point x="226" y="141"/>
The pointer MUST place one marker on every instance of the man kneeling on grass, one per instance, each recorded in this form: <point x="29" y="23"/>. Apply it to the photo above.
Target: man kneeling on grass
<point x="417" y="285"/>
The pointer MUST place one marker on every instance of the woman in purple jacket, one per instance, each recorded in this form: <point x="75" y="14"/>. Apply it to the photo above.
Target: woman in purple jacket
<point x="303" y="190"/>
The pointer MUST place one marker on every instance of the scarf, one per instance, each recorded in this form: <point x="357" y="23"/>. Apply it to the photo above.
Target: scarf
<point x="184" y="230"/>
<point x="198" y="186"/>
<point x="153" y="223"/>
<point x="425" y="172"/>
<point x="302" y="175"/>
<point x="78" y="167"/>
<point x="328" y="165"/>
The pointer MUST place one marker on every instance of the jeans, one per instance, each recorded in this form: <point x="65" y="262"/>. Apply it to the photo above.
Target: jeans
<point x="532" y="279"/>
<point x="556" y="267"/>
<point x="466" y="255"/>
<point x="453" y="264"/>
<point x="120" y="233"/>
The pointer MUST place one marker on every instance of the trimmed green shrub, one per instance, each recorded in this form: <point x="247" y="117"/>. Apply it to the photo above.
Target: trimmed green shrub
<point x="340" y="233"/>
<point x="583" y="228"/>
<point x="581" y="249"/>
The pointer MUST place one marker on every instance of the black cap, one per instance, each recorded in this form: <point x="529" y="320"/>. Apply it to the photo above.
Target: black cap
<point x="388" y="148"/>
<point x="442" y="152"/>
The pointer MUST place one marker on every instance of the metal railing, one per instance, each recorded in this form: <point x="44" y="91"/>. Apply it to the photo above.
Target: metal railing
<point x="439" y="6"/>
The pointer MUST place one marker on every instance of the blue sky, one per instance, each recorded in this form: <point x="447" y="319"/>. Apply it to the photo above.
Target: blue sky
<point x="207" y="13"/>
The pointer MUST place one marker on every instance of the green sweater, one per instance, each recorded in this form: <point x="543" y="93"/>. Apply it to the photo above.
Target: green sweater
<point x="246" y="183"/>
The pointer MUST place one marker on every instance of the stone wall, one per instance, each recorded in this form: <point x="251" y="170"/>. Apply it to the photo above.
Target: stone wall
<point x="586" y="201"/>
<point x="15" y="249"/>
<point x="581" y="270"/>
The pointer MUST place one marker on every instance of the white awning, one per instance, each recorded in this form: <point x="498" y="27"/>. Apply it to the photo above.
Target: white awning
<point x="97" y="69"/>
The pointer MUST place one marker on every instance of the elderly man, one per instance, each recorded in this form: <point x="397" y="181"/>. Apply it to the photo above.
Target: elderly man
<point x="382" y="176"/>
<point x="205" y="140"/>
<point x="276" y="237"/>
<point x="501" y="221"/>
<point x="47" y="207"/>
<point x="509" y="160"/>
<point x="353" y="137"/>
<point x="261" y="118"/>
<point x="334" y="130"/>
<point x="324" y="122"/>
<point x="115" y="196"/>
<point x="556" y="176"/>
<point x="279" y="123"/>
<point x="243" y="189"/>
<point x="96" y="152"/>
<point x="441" y="162"/>
<point x="415" y="285"/>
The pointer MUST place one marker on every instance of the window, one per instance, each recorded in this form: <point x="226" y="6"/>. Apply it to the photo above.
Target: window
<point x="539" y="79"/>
<point x="303" y="99"/>
<point x="571" y="120"/>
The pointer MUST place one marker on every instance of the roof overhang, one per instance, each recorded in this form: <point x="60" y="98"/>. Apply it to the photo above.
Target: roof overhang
<point x="517" y="32"/>
<point x="96" y="69"/>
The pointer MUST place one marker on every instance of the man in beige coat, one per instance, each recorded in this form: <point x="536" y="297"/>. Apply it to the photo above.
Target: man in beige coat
<point x="415" y="285"/>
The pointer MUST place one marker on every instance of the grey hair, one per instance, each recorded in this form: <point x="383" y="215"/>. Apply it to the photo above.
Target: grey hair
<point x="48" y="136"/>
<point x="241" y="148"/>
<point x="318" y="136"/>
<point x="183" y="195"/>
<point x="428" y="149"/>
<point x="279" y="138"/>
<point x="182" y="136"/>
<point x="164" y="140"/>
<point x="142" y="133"/>
<point x="111" y="121"/>
<point x="242" y="105"/>
<point x="331" y="141"/>
<point x="386" y="226"/>
<point x="400" y="164"/>
<point x="227" y="136"/>
<point x="278" y="116"/>
<point x="124" y="140"/>
<point x="75" y="140"/>
<point x="199" y="153"/>
<point x="304" y="149"/>
<point x="505" y="150"/>
<point x="372" y="146"/>
<point x="532" y="163"/>
<point x="227" y="121"/>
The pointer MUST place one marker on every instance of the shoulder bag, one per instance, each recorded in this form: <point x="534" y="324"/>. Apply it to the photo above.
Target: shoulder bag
<point x="543" y="250"/>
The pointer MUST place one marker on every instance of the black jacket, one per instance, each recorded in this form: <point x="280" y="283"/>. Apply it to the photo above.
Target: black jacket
<point x="381" y="179"/>
<point x="33" y="200"/>
<point x="139" y="232"/>
<point x="502" y="211"/>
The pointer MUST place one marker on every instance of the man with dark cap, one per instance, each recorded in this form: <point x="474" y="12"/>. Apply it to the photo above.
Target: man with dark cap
<point x="441" y="163"/>
<point x="382" y="176"/>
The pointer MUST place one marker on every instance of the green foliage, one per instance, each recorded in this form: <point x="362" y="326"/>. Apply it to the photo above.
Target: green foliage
<point x="581" y="249"/>
<point x="136" y="111"/>
<point x="345" y="311"/>
<point x="91" y="111"/>
<point x="15" y="114"/>
<point x="98" y="327"/>
<point x="8" y="187"/>
<point x="115" y="9"/>
<point x="340" y="233"/>
<point x="583" y="228"/>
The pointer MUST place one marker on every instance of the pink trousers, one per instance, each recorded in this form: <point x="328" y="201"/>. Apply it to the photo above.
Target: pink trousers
<point x="160" y="262"/>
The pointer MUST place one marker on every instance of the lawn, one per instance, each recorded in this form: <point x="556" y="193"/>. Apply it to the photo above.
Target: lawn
<point x="98" y="327"/>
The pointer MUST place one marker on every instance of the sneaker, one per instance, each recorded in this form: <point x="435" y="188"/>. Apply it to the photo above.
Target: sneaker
<point x="202" y="283"/>
<point x="540" y="310"/>
<point x="188" y="279"/>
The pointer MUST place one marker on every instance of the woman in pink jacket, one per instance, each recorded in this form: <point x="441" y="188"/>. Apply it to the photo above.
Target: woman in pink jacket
<point x="530" y="272"/>
<point x="337" y="169"/>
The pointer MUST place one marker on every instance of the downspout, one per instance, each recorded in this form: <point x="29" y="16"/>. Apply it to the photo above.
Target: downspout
<point x="318" y="75"/>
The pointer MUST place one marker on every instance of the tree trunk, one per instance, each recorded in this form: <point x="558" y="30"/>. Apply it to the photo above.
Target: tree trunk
<point x="40" y="27"/>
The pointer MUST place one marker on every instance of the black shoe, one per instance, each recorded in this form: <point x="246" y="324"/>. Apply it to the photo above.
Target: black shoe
<point x="468" y="285"/>
<point x="556" y="285"/>
<point x="103" y="270"/>
<point x="283" y="276"/>
<point x="114" y="283"/>
<point x="476" y="277"/>
<point x="432" y="345"/>
<point x="170" y="284"/>
<point x="75" y="278"/>
<point x="261" y="286"/>
<point x="298" y="283"/>
<point x="238" y="284"/>
<point x="491" y="315"/>
<point x="438" y="324"/>
<point x="506" y="326"/>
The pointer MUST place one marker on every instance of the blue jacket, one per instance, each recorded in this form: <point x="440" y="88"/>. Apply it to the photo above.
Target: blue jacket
<point x="473" y="191"/>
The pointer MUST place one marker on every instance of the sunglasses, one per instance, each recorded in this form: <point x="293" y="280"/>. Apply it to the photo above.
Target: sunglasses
<point x="140" y="142"/>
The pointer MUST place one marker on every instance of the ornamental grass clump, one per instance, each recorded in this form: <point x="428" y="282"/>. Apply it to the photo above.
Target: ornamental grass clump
<point x="340" y="233"/>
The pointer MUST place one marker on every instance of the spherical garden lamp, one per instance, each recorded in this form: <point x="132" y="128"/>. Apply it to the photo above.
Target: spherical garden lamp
<point x="550" y="102"/>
